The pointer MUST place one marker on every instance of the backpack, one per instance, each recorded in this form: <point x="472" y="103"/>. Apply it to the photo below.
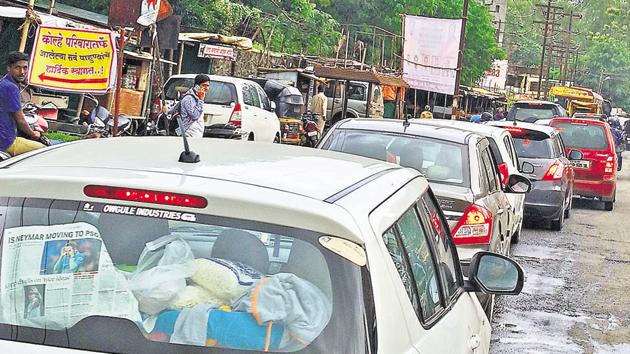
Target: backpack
<point x="176" y="111"/>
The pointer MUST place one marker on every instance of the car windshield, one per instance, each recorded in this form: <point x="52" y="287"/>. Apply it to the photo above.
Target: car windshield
<point x="222" y="93"/>
<point x="112" y="278"/>
<point x="533" y="149"/>
<point x="531" y="113"/>
<point x="440" y="161"/>
<point x="583" y="136"/>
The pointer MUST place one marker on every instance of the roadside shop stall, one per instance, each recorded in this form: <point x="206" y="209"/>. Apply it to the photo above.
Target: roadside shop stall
<point x="341" y="79"/>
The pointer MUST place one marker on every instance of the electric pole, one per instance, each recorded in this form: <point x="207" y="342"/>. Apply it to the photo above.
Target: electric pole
<point x="460" y="61"/>
<point x="544" y="47"/>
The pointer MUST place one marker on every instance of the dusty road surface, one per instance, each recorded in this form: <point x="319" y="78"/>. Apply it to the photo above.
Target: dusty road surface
<point x="576" y="297"/>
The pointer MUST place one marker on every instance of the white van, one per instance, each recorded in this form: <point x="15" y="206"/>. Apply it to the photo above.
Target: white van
<point x="234" y="108"/>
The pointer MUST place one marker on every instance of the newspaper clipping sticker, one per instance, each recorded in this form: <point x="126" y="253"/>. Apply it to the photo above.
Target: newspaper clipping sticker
<point x="54" y="276"/>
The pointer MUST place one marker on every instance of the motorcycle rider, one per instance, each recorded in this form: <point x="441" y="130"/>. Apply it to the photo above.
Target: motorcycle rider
<point x="11" y="115"/>
<point x="615" y="126"/>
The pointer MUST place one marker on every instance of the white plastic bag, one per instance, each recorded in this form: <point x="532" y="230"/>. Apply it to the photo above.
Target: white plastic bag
<point x="161" y="274"/>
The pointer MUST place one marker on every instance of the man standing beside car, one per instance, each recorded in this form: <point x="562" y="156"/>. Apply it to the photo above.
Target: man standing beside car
<point x="319" y="107"/>
<point x="191" y="108"/>
<point x="11" y="115"/>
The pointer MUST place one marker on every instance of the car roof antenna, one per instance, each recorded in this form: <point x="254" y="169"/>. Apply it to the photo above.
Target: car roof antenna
<point x="187" y="156"/>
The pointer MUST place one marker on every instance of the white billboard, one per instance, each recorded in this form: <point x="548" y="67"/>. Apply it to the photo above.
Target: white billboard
<point x="496" y="77"/>
<point x="430" y="53"/>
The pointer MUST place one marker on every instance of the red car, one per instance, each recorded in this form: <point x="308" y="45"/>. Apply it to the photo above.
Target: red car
<point x="596" y="170"/>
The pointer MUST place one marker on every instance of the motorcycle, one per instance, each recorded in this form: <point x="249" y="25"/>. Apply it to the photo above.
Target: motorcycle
<point x="34" y="118"/>
<point x="157" y="123"/>
<point x="36" y="123"/>
<point x="310" y="136"/>
<point x="101" y="121"/>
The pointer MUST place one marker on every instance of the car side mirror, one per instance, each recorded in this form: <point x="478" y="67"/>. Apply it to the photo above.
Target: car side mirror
<point x="273" y="106"/>
<point x="518" y="184"/>
<point x="575" y="155"/>
<point x="527" y="168"/>
<point x="494" y="274"/>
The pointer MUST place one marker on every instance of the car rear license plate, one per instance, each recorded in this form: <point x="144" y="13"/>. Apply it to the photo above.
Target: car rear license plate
<point x="581" y="164"/>
<point x="313" y="133"/>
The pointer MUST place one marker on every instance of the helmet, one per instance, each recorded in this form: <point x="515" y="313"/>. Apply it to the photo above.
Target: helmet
<point x="427" y="108"/>
<point x="486" y="117"/>
<point x="614" y="122"/>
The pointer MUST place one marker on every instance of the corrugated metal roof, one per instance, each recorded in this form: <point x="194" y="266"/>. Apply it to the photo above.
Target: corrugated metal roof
<point x="358" y="75"/>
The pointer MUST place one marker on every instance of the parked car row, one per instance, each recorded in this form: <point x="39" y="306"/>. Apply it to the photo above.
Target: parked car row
<point x="395" y="239"/>
<point x="587" y="141"/>
<point x="240" y="252"/>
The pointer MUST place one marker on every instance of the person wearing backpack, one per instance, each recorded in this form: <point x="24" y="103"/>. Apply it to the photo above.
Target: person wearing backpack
<point x="190" y="108"/>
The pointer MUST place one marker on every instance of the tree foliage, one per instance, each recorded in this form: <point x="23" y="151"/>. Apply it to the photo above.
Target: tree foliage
<point x="314" y="26"/>
<point x="603" y="39"/>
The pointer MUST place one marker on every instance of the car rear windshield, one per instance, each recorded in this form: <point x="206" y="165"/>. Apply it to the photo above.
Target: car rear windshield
<point x="533" y="149"/>
<point x="440" y="161"/>
<point x="531" y="113"/>
<point x="532" y="144"/>
<point x="221" y="93"/>
<point x="112" y="278"/>
<point x="583" y="136"/>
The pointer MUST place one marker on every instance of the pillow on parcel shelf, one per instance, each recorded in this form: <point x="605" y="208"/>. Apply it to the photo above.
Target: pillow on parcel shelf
<point x="224" y="280"/>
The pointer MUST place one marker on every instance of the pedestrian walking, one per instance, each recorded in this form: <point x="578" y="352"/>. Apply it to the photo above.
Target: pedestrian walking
<point x="319" y="107"/>
<point x="11" y="115"/>
<point x="190" y="108"/>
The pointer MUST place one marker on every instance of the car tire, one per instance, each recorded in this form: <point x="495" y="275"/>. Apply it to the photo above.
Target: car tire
<point x="567" y="212"/>
<point x="556" y="225"/>
<point x="276" y="140"/>
<point x="609" y="206"/>
<point x="250" y="137"/>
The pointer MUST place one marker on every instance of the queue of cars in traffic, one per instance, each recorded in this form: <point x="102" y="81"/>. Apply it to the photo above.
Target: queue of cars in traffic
<point x="393" y="236"/>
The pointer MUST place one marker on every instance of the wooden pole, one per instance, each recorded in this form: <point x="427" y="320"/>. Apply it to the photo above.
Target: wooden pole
<point x="415" y="103"/>
<point x="182" y="47"/>
<point x="26" y="26"/>
<point x="460" y="61"/>
<point x="544" y="48"/>
<point x="121" y="54"/>
<point x="369" y="100"/>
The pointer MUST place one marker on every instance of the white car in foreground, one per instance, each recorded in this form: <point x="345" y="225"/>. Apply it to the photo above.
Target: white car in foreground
<point x="233" y="109"/>
<point x="236" y="252"/>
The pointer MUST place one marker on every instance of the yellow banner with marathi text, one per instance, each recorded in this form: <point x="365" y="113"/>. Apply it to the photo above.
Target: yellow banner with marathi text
<point x="68" y="59"/>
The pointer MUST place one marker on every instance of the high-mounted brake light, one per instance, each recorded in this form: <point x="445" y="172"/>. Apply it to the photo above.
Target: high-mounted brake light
<point x="474" y="227"/>
<point x="145" y="196"/>
<point x="515" y="130"/>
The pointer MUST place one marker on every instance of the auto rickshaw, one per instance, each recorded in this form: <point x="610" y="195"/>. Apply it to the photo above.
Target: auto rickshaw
<point x="289" y="108"/>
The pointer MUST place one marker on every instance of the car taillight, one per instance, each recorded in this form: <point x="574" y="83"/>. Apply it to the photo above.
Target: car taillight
<point x="503" y="170"/>
<point x="610" y="165"/>
<point x="145" y="196"/>
<point x="474" y="227"/>
<point x="554" y="172"/>
<point x="237" y="114"/>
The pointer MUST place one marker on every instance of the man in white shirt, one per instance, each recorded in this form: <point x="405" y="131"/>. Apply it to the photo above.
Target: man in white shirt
<point x="319" y="107"/>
